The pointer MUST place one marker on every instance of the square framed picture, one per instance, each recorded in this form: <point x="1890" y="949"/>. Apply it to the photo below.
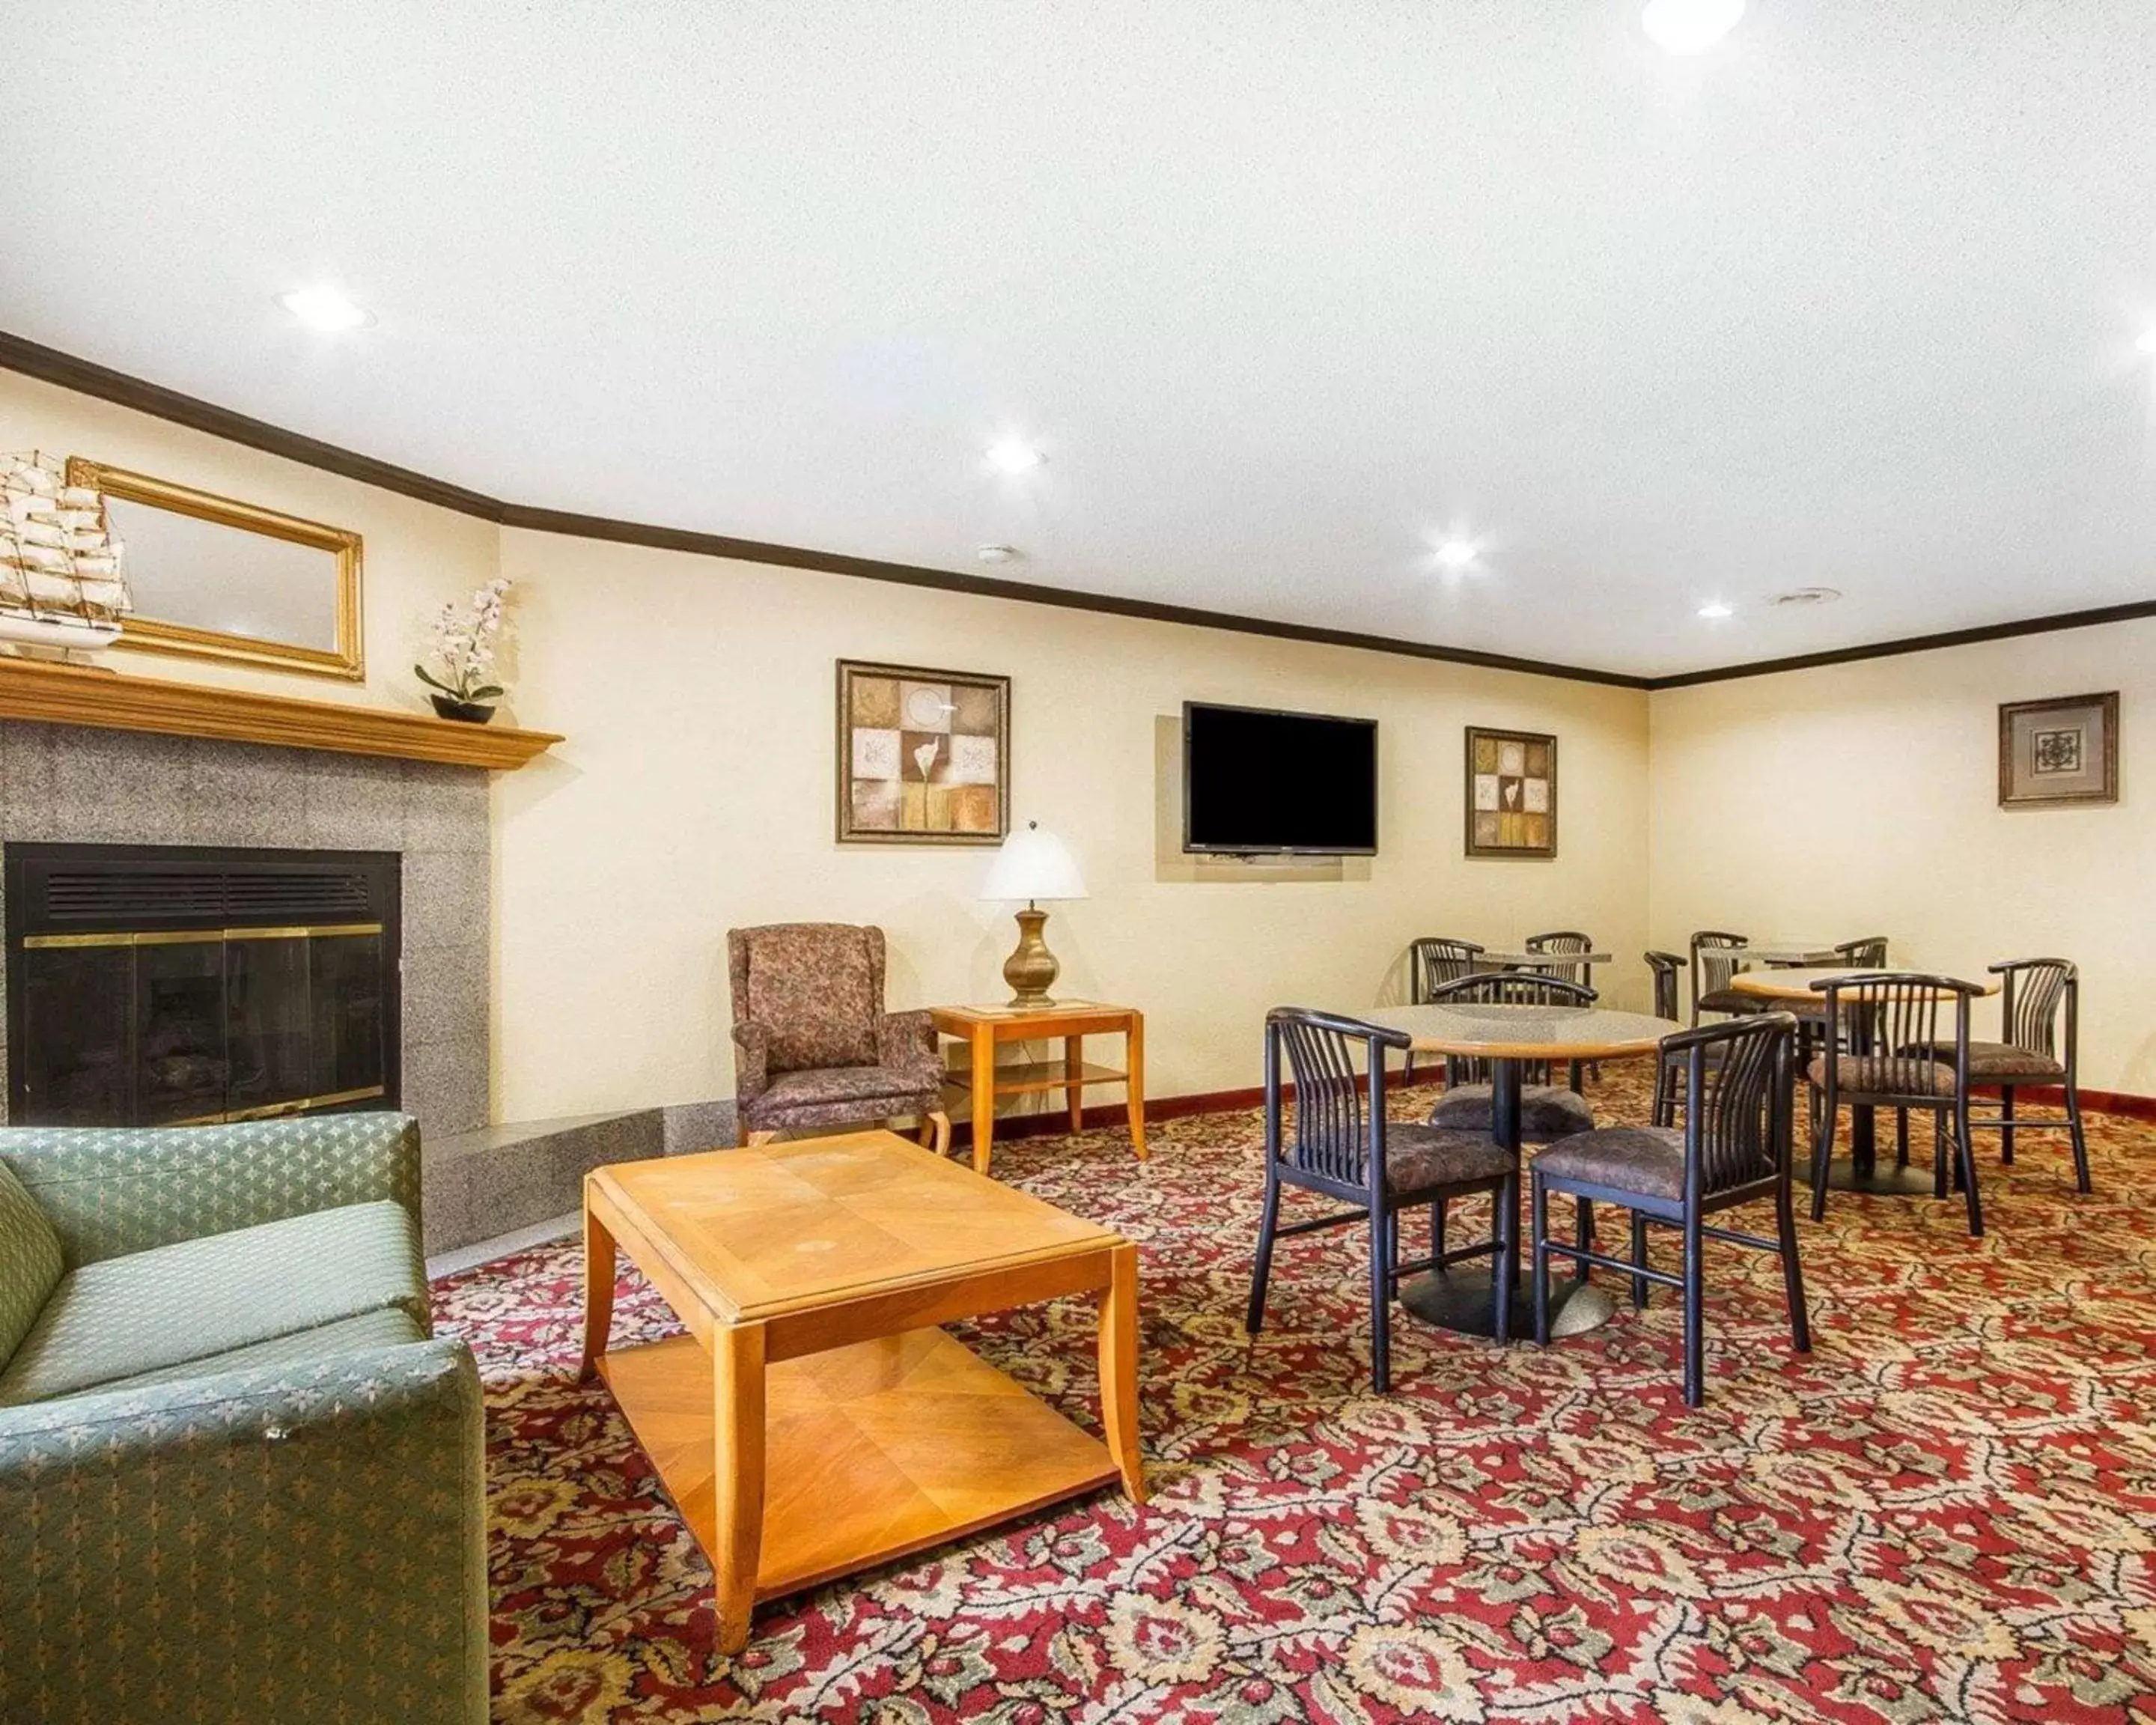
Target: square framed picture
<point x="924" y="756"/>
<point x="2056" y="753"/>
<point x="1511" y="794"/>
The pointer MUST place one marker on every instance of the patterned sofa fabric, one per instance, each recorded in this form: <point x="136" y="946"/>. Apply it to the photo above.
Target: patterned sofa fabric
<point x="298" y="1542"/>
<point x="108" y="1192"/>
<point x="30" y="1262"/>
<point x="119" y="1318"/>
<point x="279" y="1512"/>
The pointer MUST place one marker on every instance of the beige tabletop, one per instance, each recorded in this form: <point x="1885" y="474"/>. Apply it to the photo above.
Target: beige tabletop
<point x="1491" y="1031"/>
<point x="1797" y="984"/>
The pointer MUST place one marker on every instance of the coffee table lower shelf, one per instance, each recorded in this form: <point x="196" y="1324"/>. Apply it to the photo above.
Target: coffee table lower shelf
<point x="872" y="1451"/>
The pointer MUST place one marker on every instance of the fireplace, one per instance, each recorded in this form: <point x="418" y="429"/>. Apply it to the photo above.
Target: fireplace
<point x="165" y="985"/>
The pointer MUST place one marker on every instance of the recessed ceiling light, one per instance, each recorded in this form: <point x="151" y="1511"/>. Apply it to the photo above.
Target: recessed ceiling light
<point x="1455" y="553"/>
<point x="2147" y="344"/>
<point x="1716" y="611"/>
<point x="1012" y="454"/>
<point x="1807" y="596"/>
<point x="325" y="308"/>
<point x="1689" y="26"/>
<point x="998" y="553"/>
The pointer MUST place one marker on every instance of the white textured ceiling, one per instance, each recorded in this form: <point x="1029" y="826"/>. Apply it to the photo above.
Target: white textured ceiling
<point x="1284" y="290"/>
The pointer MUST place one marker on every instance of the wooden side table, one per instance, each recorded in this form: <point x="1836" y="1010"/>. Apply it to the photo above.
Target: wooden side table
<point x="982" y="1027"/>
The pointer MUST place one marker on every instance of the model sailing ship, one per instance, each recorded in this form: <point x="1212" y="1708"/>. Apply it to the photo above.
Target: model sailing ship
<point x="62" y="594"/>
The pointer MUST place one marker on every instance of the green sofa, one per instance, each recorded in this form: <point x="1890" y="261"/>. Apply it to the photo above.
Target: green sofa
<point x="238" y="1479"/>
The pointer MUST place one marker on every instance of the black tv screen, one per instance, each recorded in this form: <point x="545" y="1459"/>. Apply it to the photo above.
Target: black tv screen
<point x="1261" y="782"/>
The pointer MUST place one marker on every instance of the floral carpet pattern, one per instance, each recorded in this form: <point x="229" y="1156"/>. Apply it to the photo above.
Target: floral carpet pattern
<point x="1947" y="1512"/>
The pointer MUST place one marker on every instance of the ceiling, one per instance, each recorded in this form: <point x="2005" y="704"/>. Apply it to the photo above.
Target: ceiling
<point x="1287" y="294"/>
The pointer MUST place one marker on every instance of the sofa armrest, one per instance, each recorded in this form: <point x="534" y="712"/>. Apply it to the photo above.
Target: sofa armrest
<point x="752" y="1061"/>
<point x="906" y="1042"/>
<point x="110" y="1191"/>
<point x="258" y="1541"/>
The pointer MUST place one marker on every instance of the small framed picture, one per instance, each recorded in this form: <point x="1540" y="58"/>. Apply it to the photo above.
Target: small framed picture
<point x="924" y="756"/>
<point x="1511" y="794"/>
<point x="2060" y="752"/>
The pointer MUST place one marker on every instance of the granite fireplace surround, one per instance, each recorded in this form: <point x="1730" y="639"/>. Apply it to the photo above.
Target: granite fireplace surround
<point x="67" y="783"/>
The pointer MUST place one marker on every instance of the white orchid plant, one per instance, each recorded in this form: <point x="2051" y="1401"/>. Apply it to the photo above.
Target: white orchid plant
<point x="463" y="646"/>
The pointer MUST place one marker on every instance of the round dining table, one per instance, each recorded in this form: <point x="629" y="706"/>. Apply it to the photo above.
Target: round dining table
<point x="1510" y="1038"/>
<point x="1862" y="1172"/>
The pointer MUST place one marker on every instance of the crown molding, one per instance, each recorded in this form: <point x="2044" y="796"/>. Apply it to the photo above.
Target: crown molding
<point x="86" y="377"/>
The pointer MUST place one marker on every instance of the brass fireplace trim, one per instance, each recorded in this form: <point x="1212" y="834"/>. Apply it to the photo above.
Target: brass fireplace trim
<point x="184" y="936"/>
<point x="296" y="1105"/>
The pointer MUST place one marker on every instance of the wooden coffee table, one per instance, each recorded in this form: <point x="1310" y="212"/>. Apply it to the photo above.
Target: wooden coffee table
<point x="813" y="1421"/>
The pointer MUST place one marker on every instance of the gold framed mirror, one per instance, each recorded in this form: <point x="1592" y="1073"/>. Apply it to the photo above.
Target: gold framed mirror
<point x="215" y="578"/>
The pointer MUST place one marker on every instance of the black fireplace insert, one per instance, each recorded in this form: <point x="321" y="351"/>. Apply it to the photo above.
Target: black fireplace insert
<point x="166" y="985"/>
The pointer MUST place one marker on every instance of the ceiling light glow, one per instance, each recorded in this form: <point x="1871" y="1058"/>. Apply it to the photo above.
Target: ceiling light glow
<point x="1716" y="612"/>
<point x="325" y="308"/>
<point x="1689" y="26"/>
<point x="1455" y="553"/>
<point x="1012" y="454"/>
<point x="2147" y="344"/>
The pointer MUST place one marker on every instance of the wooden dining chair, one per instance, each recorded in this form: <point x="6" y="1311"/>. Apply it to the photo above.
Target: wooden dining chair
<point x="1885" y="1046"/>
<point x="1734" y="1148"/>
<point x="1337" y="1142"/>
<point x="1433" y="961"/>
<point x="1666" y="969"/>
<point x="1716" y="958"/>
<point x="2040" y="1027"/>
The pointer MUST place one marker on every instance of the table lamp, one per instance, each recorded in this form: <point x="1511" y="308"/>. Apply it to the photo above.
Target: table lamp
<point x="1032" y="864"/>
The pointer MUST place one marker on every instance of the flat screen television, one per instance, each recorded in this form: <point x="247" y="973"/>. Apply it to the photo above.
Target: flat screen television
<point x="1267" y="783"/>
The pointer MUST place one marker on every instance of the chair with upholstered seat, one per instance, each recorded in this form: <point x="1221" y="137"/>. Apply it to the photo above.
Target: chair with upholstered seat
<point x="1340" y="1145"/>
<point x="1734" y="1148"/>
<point x="2035" y="1050"/>
<point x="1665" y="967"/>
<point x="1883" y="1047"/>
<point x="1548" y="1110"/>
<point x="1716" y="958"/>
<point x="1433" y="961"/>
<point x="813" y="1046"/>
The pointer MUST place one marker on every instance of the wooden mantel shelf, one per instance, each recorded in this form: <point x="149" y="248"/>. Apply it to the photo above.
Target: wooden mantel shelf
<point x="112" y="701"/>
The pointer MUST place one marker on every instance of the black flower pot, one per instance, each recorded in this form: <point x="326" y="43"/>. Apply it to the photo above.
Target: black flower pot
<point x="471" y="712"/>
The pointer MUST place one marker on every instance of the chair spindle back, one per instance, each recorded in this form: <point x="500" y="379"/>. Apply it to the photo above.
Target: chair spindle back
<point x="1436" y="959"/>
<point x="1561" y="941"/>
<point x="2031" y="990"/>
<point x="1505" y="988"/>
<point x="1737" y="1108"/>
<point x="1338" y="1134"/>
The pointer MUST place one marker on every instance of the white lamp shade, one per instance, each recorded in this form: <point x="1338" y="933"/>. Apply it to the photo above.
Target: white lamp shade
<point x="1033" y="865"/>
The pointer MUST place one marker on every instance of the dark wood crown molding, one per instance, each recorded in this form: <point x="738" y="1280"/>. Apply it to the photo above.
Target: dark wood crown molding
<point x="84" y="376"/>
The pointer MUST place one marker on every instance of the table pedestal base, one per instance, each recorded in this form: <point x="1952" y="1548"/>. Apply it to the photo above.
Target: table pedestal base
<point x="1466" y="1303"/>
<point x="1886" y="1179"/>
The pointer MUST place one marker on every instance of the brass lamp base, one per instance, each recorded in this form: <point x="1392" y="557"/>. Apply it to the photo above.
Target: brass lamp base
<point x="1032" y="969"/>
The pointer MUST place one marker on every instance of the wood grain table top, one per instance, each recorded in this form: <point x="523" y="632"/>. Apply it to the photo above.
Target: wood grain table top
<point x="1528" y="1033"/>
<point x="1797" y="984"/>
<point x="785" y="1227"/>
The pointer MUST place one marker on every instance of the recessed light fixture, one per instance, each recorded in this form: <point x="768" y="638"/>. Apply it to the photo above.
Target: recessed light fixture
<point x="1455" y="553"/>
<point x="2147" y="344"/>
<point x="1689" y="26"/>
<point x="998" y="553"/>
<point x="1807" y="596"/>
<point x="325" y="308"/>
<point x="1012" y="454"/>
<point x="1716" y="612"/>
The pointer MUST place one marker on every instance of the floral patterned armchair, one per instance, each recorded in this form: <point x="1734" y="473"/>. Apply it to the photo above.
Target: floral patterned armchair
<point x="814" y="1047"/>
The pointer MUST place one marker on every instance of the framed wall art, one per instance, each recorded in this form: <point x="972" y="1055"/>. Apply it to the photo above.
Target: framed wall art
<point x="1511" y="794"/>
<point x="924" y="756"/>
<point x="2058" y="751"/>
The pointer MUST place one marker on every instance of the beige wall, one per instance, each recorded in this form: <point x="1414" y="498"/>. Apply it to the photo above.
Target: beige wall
<point x="417" y="556"/>
<point x="694" y="793"/>
<point x="1862" y="798"/>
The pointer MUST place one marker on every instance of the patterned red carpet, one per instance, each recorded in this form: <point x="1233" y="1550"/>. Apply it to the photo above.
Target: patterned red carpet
<point x="1946" y="1512"/>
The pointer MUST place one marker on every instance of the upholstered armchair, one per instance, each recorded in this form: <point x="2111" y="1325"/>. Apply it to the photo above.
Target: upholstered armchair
<point x="813" y="1044"/>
